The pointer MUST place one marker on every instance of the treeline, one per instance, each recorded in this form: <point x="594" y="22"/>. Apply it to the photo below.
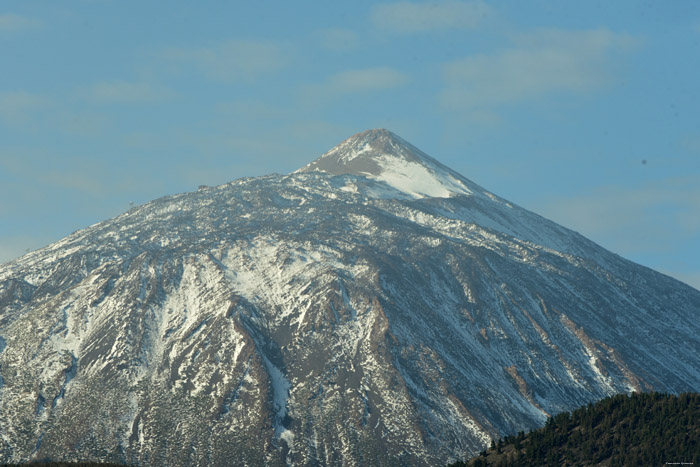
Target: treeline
<point x="639" y="429"/>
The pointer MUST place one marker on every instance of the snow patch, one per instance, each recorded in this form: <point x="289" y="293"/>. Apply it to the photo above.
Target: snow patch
<point x="418" y="180"/>
<point x="280" y="394"/>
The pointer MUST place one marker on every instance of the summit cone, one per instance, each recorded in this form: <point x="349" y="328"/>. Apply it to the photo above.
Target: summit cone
<point x="381" y="155"/>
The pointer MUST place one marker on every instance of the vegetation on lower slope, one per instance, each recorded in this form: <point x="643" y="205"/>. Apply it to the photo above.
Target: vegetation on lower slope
<point x="639" y="429"/>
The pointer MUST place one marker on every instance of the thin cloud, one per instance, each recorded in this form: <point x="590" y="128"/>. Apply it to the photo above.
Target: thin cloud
<point x="123" y="92"/>
<point x="254" y="109"/>
<point x="411" y="17"/>
<point x="540" y="63"/>
<point x="361" y="81"/>
<point x="633" y="220"/>
<point x="82" y="123"/>
<point x="18" y="107"/>
<point x="232" y="60"/>
<point x="16" y="23"/>
<point x="338" y="39"/>
<point x="369" y="79"/>
<point x="82" y="175"/>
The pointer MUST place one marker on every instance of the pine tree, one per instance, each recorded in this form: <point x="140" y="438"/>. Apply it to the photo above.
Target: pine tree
<point x="639" y="429"/>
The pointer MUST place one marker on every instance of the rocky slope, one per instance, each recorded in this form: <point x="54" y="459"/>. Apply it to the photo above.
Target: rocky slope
<point x="373" y="307"/>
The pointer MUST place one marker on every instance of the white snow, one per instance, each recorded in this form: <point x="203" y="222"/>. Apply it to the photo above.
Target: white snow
<point x="280" y="394"/>
<point x="418" y="180"/>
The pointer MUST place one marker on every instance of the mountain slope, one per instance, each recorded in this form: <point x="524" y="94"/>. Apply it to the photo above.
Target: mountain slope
<point x="341" y="313"/>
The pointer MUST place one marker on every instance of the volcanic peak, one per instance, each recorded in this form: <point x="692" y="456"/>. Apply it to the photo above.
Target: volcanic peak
<point x="382" y="155"/>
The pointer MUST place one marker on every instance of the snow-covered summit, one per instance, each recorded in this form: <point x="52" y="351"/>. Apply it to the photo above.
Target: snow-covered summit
<point x="382" y="155"/>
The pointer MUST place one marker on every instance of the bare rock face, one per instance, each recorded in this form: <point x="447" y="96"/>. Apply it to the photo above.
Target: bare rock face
<point x="372" y="308"/>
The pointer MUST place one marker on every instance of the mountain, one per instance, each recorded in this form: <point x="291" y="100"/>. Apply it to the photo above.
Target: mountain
<point x="641" y="429"/>
<point x="372" y="308"/>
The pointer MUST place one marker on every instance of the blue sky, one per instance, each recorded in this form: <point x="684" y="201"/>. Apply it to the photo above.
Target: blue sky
<point x="585" y="112"/>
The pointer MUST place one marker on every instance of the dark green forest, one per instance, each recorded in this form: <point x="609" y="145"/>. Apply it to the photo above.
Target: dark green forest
<point x="638" y="429"/>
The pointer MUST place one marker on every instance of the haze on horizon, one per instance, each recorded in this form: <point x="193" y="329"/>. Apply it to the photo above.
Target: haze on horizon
<point x="586" y="114"/>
